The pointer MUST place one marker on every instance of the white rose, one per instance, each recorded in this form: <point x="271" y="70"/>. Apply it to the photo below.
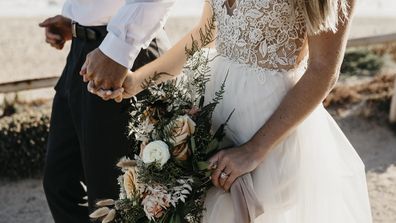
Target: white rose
<point x="157" y="151"/>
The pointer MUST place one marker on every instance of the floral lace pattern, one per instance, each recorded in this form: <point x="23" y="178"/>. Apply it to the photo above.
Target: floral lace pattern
<point x="268" y="34"/>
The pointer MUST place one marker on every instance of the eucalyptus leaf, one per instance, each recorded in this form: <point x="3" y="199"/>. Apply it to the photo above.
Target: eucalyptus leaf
<point x="213" y="146"/>
<point x="203" y="165"/>
<point x="175" y="218"/>
<point x="193" y="145"/>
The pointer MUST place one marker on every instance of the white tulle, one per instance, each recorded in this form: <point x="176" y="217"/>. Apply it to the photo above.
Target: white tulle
<point x="313" y="176"/>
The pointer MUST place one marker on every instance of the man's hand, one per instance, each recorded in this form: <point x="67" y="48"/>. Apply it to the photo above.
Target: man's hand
<point x="132" y="85"/>
<point x="57" y="31"/>
<point x="104" y="72"/>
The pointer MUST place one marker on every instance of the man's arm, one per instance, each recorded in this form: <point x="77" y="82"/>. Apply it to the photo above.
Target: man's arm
<point x="131" y="29"/>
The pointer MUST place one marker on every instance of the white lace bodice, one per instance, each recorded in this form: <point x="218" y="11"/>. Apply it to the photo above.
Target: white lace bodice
<point x="267" y="34"/>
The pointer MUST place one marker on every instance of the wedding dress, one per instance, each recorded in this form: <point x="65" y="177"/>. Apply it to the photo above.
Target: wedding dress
<point x="314" y="175"/>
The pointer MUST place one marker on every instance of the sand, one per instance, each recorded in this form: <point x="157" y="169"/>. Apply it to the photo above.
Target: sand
<point x="23" y="54"/>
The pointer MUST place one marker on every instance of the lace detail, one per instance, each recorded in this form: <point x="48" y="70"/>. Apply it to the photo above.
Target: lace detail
<point x="264" y="33"/>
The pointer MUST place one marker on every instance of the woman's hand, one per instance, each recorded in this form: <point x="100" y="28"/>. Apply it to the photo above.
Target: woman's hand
<point x="131" y="87"/>
<point x="232" y="163"/>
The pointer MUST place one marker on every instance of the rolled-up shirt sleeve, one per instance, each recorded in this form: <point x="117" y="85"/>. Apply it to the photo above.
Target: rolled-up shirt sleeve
<point x="133" y="28"/>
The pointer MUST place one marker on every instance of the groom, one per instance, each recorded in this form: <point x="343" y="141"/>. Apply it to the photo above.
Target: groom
<point x="88" y="135"/>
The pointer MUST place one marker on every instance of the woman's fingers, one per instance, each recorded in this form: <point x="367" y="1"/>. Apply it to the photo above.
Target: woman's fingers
<point x="230" y="180"/>
<point x="226" y="169"/>
<point x="109" y="94"/>
<point x="217" y="172"/>
<point x="119" y="99"/>
<point x="116" y="94"/>
<point x="213" y="161"/>
<point x="106" y="95"/>
<point x="224" y="176"/>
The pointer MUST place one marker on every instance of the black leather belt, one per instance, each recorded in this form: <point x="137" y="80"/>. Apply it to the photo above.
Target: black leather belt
<point x="88" y="33"/>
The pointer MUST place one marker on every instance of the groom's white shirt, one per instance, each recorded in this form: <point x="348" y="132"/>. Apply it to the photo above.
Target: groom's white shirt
<point x="132" y="24"/>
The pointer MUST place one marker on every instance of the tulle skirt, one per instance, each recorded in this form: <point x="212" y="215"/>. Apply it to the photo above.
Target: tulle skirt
<point x="313" y="176"/>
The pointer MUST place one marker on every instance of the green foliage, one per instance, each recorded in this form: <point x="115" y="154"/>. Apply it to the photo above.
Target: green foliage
<point x="23" y="139"/>
<point x="361" y="62"/>
<point x="206" y="36"/>
<point x="177" y="189"/>
<point x="129" y="212"/>
<point x="150" y="173"/>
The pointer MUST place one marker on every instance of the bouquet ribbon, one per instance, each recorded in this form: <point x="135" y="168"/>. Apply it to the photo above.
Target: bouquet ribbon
<point x="246" y="205"/>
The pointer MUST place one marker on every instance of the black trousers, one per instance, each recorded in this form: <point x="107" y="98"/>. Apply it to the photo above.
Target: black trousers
<point x="87" y="138"/>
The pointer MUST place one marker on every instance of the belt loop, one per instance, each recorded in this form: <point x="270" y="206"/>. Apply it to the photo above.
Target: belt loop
<point x="73" y="27"/>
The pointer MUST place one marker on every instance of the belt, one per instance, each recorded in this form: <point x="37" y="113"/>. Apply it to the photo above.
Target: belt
<point x="88" y="33"/>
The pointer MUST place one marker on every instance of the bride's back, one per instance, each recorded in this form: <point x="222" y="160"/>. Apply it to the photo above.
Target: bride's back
<point x="269" y="34"/>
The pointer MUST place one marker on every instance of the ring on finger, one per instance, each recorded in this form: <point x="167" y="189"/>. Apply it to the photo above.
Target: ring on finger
<point x="224" y="175"/>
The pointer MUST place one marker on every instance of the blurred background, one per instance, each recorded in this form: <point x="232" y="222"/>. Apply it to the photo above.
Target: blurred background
<point x="360" y="103"/>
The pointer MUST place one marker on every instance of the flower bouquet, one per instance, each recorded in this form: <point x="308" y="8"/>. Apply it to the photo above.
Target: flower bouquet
<point x="168" y="177"/>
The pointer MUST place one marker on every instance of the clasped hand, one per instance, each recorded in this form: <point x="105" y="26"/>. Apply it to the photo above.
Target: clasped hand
<point x="104" y="76"/>
<point x="112" y="86"/>
<point x="108" y="79"/>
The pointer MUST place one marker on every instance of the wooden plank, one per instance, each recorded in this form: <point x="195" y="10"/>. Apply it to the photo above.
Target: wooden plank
<point x="28" y="84"/>
<point x="372" y="40"/>
<point x="392" y="113"/>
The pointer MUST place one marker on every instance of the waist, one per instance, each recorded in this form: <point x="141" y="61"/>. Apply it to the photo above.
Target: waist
<point x="297" y="69"/>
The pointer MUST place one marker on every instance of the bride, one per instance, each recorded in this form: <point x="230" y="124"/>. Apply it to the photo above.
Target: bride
<point x="281" y="59"/>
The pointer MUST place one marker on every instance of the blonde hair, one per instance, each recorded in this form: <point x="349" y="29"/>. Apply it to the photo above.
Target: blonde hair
<point x="323" y="15"/>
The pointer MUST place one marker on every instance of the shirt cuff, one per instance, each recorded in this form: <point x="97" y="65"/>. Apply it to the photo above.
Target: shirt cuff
<point x="119" y="51"/>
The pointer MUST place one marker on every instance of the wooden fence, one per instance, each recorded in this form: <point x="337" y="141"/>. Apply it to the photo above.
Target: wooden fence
<point x="50" y="81"/>
<point x="30" y="84"/>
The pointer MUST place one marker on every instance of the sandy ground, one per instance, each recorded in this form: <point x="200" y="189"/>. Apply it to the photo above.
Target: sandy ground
<point x="377" y="147"/>
<point x="23" y="54"/>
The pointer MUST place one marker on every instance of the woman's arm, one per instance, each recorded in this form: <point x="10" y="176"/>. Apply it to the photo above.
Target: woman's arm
<point x="326" y="51"/>
<point x="171" y="62"/>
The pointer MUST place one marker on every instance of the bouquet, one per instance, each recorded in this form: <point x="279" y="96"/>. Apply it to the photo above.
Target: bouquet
<point x="168" y="177"/>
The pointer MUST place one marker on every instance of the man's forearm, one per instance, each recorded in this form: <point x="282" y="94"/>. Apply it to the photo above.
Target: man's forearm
<point x="133" y="28"/>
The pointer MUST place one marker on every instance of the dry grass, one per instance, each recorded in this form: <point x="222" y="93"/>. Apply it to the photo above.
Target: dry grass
<point x="386" y="49"/>
<point x="370" y="99"/>
<point x="378" y="88"/>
